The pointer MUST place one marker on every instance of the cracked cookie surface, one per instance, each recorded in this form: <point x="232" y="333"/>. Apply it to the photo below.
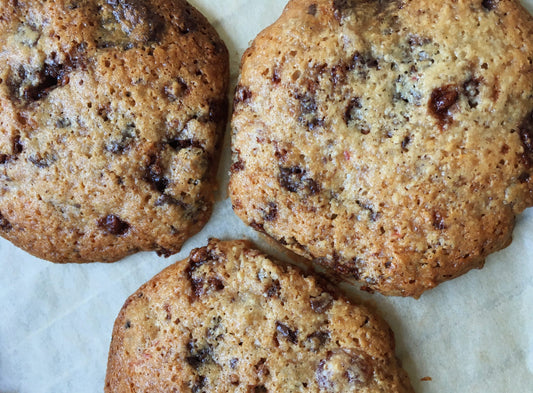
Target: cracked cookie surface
<point x="389" y="141"/>
<point x="230" y="319"/>
<point x="112" y="115"/>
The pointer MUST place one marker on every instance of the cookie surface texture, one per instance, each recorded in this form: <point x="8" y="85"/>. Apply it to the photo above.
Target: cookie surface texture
<point x="111" y="117"/>
<point x="390" y="141"/>
<point x="229" y="319"/>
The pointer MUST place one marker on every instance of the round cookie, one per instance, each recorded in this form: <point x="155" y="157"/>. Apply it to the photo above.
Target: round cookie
<point x="230" y="319"/>
<point x="390" y="141"/>
<point x="112" y="113"/>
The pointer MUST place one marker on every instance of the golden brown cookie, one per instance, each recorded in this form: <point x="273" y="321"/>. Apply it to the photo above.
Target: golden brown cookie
<point x="229" y="319"/>
<point x="111" y="117"/>
<point x="390" y="141"/>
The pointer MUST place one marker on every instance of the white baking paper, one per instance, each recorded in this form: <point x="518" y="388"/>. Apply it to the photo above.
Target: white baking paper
<point x="472" y="334"/>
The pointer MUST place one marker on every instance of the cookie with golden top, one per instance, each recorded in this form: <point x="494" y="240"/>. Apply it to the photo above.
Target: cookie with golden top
<point x="112" y="112"/>
<point x="389" y="141"/>
<point x="230" y="319"/>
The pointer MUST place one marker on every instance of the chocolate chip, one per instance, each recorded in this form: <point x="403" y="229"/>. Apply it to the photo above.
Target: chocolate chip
<point x="363" y="60"/>
<point x="113" y="225"/>
<point x="205" y="285"/>
<point x="307" y="104"/>
<point x="242" y="94"/>
<point x="525" y="130"/>
<point x="261" y="368"/>
<point x="127" y="325"/>
<point x="350" y="113"/>
<point x="199" y="385"/>
<point x="295" y="179"/>
<point x="441" y="101"/>
<point x="311" y="10"/>
<point x="490" y="5"/>
<point x="438" y="221"/>
<point x="308" y="111"/>
<point x="137" y="20"/>
<point x="416" y="40"/>
<point x="237" y="166"/>
<point x="166" y="199"/>
<point x="163" y="252"/>
<point x="179" y="144"/>
<point x="315" y="341"/>
<point x="198" y="356"/>
<point x="505" y="149"/>
<point x="260" y="389"/>
<point x="321" y="303"/>
<point x="405" y="143"/>
<point x="41" y="161"/>
<point x="339" y="8"/>
<point x="51" y="76"/>
<point x="154" y="174"/>
<point x="215" y="284"/>
<point x="202" y="280"/>
<point x="524" y="177"/>
<point x="258" y="226"/>
<point x="199" y="256"/>
<point x="16" y="148"/>
<point x="187" y="22"/>
<point x="338" y="74"/>
<point x="276" y="78"/>
<point x="373" y="215"/>
<point x="274" y="289"/>
<point x="271" y="211"/>
<point x="32" y="85"/>
<point x="5" y="225"/>
<point x="290" y="178"/>
<point x="287" y="333"/>
<point x="17" y="145"/>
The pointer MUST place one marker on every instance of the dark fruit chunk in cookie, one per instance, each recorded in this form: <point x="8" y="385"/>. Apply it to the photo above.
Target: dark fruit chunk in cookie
<point x="5" y="225"/>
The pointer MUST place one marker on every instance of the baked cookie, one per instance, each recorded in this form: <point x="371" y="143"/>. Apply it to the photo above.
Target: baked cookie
<point x="229" y="319"/>
<point x="390" y="141"/>
<point x="112" y="113"/>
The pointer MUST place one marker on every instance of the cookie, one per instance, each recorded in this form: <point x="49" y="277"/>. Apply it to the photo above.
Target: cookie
<point x="389" y="141"/>
<point x="112" y="113"/>
<point x="230" y="319"/>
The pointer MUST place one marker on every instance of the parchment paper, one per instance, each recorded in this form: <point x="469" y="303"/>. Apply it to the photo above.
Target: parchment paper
<point x="472" y="334"/>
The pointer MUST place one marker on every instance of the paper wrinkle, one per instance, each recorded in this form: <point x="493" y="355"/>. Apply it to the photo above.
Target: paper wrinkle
<point x="471" y="334"/>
